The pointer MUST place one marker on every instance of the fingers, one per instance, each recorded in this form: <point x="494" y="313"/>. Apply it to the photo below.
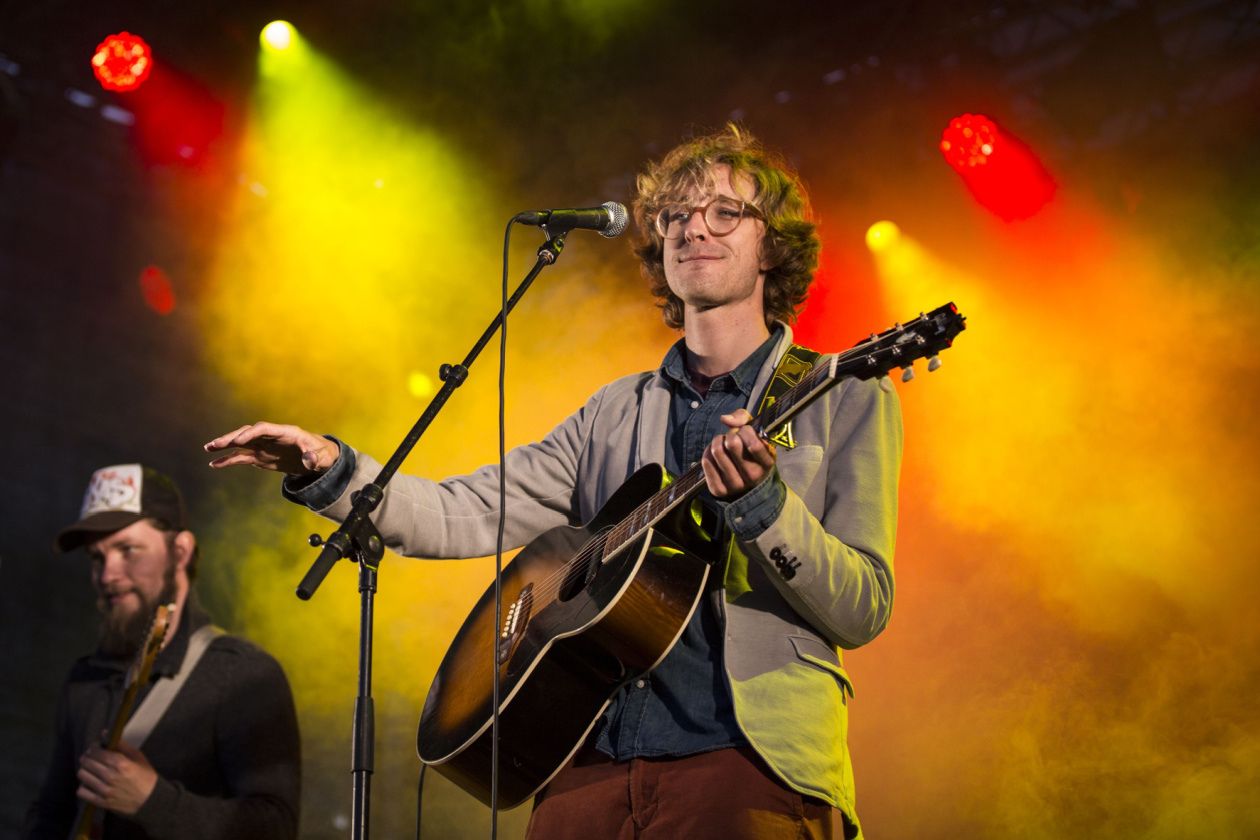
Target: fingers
<point x="737" y="461"/>
<point x="119" y="780"/>
<point x="274" y="446"/>
<point x="131" y="752"/>
<point x="246" y="435"/>
<point x="94" y="774"/>
<point x="712" y="477"/>
<point x="221" y="442"/>
<point x="246" y="457"/>
<point x="92" y="771"/>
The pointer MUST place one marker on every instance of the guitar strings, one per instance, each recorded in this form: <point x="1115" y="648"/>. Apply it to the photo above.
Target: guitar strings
<point x="548" y="587"/>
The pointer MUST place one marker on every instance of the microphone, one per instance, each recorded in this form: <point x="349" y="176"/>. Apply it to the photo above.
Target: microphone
<point x="610" y="219"/>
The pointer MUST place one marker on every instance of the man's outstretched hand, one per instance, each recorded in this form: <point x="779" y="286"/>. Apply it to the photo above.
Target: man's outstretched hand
<point x="273" y="446"/>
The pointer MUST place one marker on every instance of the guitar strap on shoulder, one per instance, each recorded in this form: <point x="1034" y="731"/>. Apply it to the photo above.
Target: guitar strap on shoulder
<point x="796" y="362"/>
<point x="158" y="700"/>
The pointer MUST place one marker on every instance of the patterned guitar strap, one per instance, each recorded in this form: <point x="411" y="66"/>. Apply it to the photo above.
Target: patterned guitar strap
<point x="796" y="362"/>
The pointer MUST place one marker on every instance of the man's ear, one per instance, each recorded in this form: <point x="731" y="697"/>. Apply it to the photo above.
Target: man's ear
<point x="763" y="261"/>
<point x="185" y="544"/>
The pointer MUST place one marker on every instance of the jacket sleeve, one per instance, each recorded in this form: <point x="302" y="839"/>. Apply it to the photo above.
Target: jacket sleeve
<point x="258" y="753"/>
<point x="834" y="564"/>
<point x="459" y="517"/>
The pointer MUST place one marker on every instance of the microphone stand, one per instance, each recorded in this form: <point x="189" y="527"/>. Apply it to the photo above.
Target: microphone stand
<point x="358" y="538"/>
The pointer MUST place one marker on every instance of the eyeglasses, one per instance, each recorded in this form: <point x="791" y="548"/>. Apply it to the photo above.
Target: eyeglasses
<point x="721" y="216"/>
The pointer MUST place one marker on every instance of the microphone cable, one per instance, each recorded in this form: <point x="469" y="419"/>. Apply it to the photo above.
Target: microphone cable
<point x="498" y="548"/>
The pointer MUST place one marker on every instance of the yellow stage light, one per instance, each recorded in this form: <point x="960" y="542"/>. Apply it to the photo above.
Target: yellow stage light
<point x="420" y="385"/>
<point x="277" y="35"/>
<point x="882" y="235"/>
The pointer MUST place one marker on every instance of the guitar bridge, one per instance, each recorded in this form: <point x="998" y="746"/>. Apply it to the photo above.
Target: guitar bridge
<point x="514" y="621"/>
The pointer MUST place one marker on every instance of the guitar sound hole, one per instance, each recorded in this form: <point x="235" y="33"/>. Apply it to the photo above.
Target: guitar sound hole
<point x="575" y="578"/>
<point x="581" y="570"/>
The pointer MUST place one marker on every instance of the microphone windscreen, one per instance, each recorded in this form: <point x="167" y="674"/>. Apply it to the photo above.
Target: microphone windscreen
<point x="618" y="219"/>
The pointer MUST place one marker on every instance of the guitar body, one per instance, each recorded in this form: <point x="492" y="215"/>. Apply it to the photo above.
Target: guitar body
<point x="574" y="632"/>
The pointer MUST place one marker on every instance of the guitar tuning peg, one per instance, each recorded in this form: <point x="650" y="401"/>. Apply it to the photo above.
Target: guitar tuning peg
<point x="934" y="363"/>
<point x="908" y="373"/>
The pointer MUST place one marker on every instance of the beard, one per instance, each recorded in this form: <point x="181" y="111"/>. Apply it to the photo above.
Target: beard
<point x="122" y="633"/>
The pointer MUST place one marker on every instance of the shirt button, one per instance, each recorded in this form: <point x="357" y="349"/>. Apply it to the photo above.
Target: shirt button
<point x="640" y="684"/>
<point x="739" y="519"/>
<point x="695" y="404"/>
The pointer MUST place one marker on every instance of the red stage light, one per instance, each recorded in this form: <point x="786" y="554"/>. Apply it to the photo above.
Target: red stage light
<point x="122" y="62"/>
<point x="1000" y="171"/>
<point x="968" y="142"/>
<point x="156" y="288"/>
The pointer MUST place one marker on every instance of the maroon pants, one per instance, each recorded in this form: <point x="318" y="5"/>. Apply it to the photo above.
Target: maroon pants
<point x="723" y="794"/>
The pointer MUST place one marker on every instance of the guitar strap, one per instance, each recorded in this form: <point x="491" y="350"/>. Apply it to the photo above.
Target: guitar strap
<point x="158" y="700"/>
<point x="796" y="362"/>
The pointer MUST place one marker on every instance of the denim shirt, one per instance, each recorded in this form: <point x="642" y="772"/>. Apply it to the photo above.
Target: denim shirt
<point x="684" y="705"/>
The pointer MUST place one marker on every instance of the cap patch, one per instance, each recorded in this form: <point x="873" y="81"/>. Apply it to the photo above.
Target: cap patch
<point x="114" y="488"/>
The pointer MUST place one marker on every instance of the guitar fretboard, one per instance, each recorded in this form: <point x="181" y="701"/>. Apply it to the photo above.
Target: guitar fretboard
<point x="897" y="347"/>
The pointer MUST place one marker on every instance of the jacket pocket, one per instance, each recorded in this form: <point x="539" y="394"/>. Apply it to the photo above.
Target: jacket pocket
<point x="799" y="466"/>
<point x="821" y="656"/>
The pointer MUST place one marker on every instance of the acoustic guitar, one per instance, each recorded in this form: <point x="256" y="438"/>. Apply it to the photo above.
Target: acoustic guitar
<point x="589" y="608"/>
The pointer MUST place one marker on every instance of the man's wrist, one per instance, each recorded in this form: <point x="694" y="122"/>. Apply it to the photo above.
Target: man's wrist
<point x="750" y="514"/>
<point x="319" y="490"/>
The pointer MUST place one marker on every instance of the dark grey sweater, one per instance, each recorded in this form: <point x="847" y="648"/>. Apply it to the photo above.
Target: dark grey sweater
<point x="226" y="750"/>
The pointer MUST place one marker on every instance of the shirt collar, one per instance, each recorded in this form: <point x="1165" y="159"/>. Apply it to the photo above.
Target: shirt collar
<point x="673" y="366"/>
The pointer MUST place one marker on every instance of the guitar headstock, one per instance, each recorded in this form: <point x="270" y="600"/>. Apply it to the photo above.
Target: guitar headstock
<point x="153" y="641"/>
<point x="158" y="629"/>
<point x="902" y="345"/>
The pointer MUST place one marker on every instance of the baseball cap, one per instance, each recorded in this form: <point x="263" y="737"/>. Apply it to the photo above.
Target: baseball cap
<point x="119" y="496"/>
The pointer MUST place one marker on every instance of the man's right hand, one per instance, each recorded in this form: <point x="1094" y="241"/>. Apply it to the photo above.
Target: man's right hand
<point x="272" y="446"/>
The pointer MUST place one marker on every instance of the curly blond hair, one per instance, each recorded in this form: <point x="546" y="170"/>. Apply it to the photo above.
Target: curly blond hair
<point x="790" y="245"/>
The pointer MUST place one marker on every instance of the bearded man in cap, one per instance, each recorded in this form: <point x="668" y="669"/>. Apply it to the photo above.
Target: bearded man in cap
<point x="211" y="749"/>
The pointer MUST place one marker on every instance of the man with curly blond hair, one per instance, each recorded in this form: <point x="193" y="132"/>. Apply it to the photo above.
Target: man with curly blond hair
<point x="790" y="244"/>
<point x="740" y="730"/>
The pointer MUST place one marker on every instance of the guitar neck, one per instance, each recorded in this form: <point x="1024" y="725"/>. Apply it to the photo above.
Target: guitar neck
<point x="687" y="485"/>
<point x="137" y="677"/>
<point x="898" y="347"/>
